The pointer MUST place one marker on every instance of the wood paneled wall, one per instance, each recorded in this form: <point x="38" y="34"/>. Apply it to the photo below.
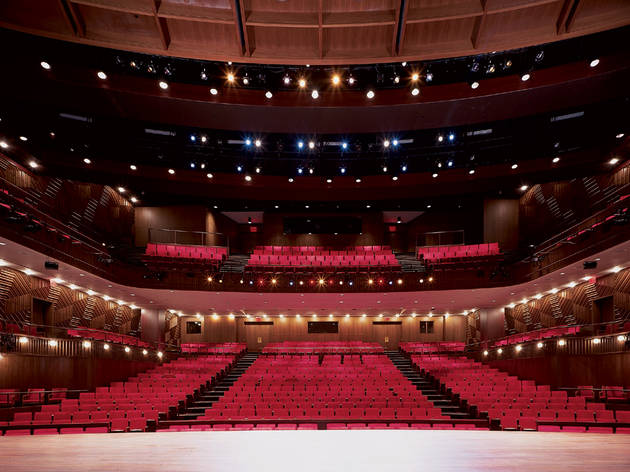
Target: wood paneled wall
<point x="570" y="371"/>
<point x="68" y="308"/>
<point x="500" y="222"/>
<point x="571" y="305"/>
<point x="183" y="217"/>
<point x="24" y="371"/>
<point x="223" y="329"/>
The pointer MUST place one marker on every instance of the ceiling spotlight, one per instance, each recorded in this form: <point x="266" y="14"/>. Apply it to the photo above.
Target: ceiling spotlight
<point x="449" y="163"/>
<point x="310" y="170"/>
<point x="290" y="179"/>
<point x="396" y="79"/>
<point x="45" y="65"/>
<point x="474" y="85"/>
<point x="121" y="189"/>
<point x="613" y="161"/>
<point x="286" y="80"/>
<point x="133" y="167"/>
<point x="311" y="145"/>
<point x="440" y="138"/>
<point x="87" y="161"/>
<point x="342" y="170"/>
<point x="248" y="142"/>
<point x="384" y="168"/>
<point x="415" y="76"/>
<point x="525" y="77"/>
<point x="555" y="160"/>
<point x="239" y="168"/>
<point x="434" y="175"/>
<point x="33" y="165"/>
<point x="351" y="80"/>
<point x="134" y="200"/>
<point x="3" y="145"/>
<point x="257" y="170"/>
<point x="245" y="80"/>
<point x="163" y="85"/>
<point x="213" y="91"/>
<point x="344" y="145"/>
<point x="258" y="143"/>
<point x="193" y="138"/>
<point x="404" y="168"/>
<point x="594" y="62"/>
<point x="514" y="166"/>
<point x="524" y="187"/>
<point x="336" y="80"/>
<point x="203" y="75"/>
<point x="428" y="77"/>
<point x="302" y="83"/>
<point x="395" y="177"/>
<point x="329" y="181"/>
<point x="415" y="91"/>
<point x="101" y="75"/>
<point x="619" y="135"/>
<point x="171" y="171"/>
<point x="300" y="144"/>
<point x="386" y="143"/>
<point x="358" y="180"/>
<point x="300" y="170"/>
<point x="370" y="94"/>
<point x="268" y="94"/>
<point x="471" y="171"/>
<point x="230" y="77"/>
<point x="248" y="178"/>
<point x="315" y="94"/>
<point x="451" y="137"/>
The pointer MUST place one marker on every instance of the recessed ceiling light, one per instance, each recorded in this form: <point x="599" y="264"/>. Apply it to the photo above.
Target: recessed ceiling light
<point x="357" y="180"/>
<point x="555" y="160"/>
<point x="619" y="135"/>
<point x="514" y="166"/>
<point x="214" y="91"/>
<point x="415" y="91"/>
<point x="395" y="177"/>
<point x="209" y="175"/>
<point x="101" y="75"/>
<point x="230" y="77"/>
<point x="524" y="187"/>
<point x="258" y="143"/>
<point x="45" y="65"/>
<point x="268" y="94"/>
<point x="163" y="85"/>
<point x="474" y="85"/>
<point x="434" y="175"/>
<point x="315" y="94"/>
<point x="613" y="161"/>
<point x="121" y="189"/>
<point x="290" y="179"/>
<point x="471" y="171"/>
<point x="525" y="77"/>
<point x="23" y="138"/>
<point x="87" y="161"/>
<point x="133" y="167"/>
<point x="311" y="145"/>
<point x="248" y="178"/>
<point x="370" y="94"/>
<point x="594" y="62"/>
<point x="336" y="79"/>
<point x="3" y="144"/>
<point x="171" y="171"/>
<point x="329" y="181"/>
<point x="33" y="165"/>
<point x="302" y="83"/>
<point x="134" y="200"/>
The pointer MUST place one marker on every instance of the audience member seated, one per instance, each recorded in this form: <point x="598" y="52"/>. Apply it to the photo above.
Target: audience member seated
<point x="458" y="253"/>
<point x="517" y="404"/>
<point x="320" y="258"/>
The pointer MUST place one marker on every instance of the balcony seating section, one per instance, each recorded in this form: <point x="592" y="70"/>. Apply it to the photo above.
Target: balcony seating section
<point x="538" y="335"/>
<point x="517" y="404"/>
<point x="458" y="253"/>
<point x="425" y="348"/>
<point x="107" y="336"/>
<point x="213" y="348"/>
<point x="319" y="258"/>
<point x="13" y="328"/>
<point x="192" y="253"/>
<point x="605" y="392"/>
<point x="298" y="387"/>
<point x="330" y="347"/>
<point x="127" y="406"/>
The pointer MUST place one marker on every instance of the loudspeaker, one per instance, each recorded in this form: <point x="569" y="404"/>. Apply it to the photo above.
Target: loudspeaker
<point x="590" y="265"/>
<point x="51" y="265"/>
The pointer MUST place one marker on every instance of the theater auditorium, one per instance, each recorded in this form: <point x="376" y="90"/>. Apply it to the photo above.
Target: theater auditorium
<point x="315" y="235"/>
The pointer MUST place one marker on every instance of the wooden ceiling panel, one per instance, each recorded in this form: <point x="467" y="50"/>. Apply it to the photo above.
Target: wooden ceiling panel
<point x="331" y="6"/>
<point x="289" y="43"/>
<point x="219" y="11"/>
<point x="35" y="15"/>
<point x="495" y="6"/>
<point x="598" y="14"/>
<point x="367" y="40"/>
<point x="115" y="26"/>
<point x="139" y="7"/>
<point x="521" y="25"/>
<point x="190" y="35"/>
<point x="430" y="37"/>
<point x="433" y="10"/>
<point x="274" y="6"/>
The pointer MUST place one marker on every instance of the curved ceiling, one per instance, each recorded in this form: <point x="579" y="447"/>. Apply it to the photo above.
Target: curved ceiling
<point x="313" y="32"/>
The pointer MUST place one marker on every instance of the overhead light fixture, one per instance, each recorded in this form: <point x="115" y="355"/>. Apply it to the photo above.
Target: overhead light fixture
<point x="3" y="145"/>
<point x="555" y="160"/>
<point x="302" y="83"/>
<point x="514" y="166"/>
<point x="101" y="75"/>
<point x="525" y="77"/>
<point x="613" y="161"/>
<point x="45" y="65"/>
<point x="163" y="85"/>
<point x="33" y="165"/>
<point x="315" y="94"/>
<point x="87" y="161"/>
<point x="213" y="91"/>
<point x="336" y="79"/>
<point x="594" y="62"/>
<point x="471" y="171"/>
<point x="311" y="145"/>
<point x="370" y="94"/>
<point x="290" y="179"/>
<point x="357" y="180"/>
<point x="171" y="171"/>
<point x="415" y="91"/>
<point x="134" y="200"/>
<point x="268" y="94"/>
<point x="286" y="79"/>
<point x="133" y="167"/>
<point x="121" y="189"/>
<point x="230" y="77"/>
<point x="524" y="187"/>
<point x="23" y="138"/>
<point x="474" y="85"/>
<point x="248" y="178"/>
<point x="434" y="175"/>
<point x="258" y="143"/>
<point x="619" y="135"/>
<point x="386" y="143"/>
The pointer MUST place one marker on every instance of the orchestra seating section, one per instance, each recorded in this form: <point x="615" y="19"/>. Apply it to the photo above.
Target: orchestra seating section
<point x="347" y="392"/>
<point x="424" y="348"/>
<point x="538" y="335"/>
<point x="213" y="348"/>
<point x="293" y="258"/>
<point x="458" y="253"/>
<point x="185" y="254"/>
<point x="520" y="404"/>
<point x="609" y="393"/>
<point x="330" y="347"/>
<point x="123" y="406"/>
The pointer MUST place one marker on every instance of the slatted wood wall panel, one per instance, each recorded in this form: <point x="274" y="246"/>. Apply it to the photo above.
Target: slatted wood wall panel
<point x="571" y="305"/>
<point x="69" y="308"/>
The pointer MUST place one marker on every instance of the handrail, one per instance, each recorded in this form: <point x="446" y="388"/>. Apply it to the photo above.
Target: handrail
<point x="203" y="237"/>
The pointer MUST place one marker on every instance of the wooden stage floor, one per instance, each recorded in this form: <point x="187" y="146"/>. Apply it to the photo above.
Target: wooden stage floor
<point x="298" y="451"/>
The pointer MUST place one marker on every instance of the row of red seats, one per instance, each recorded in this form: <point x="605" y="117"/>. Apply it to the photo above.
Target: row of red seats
<point x="461" y="251"/>
<point x="14" y="328"/>
<point x="314" y="426"/>
<point x="424" y="347"/>
<point x="101" y="335"/>
<point x="320" y="250"/>
<point x="199" y="253"/>
<point x="48" y="431"/>
<point x="609" y="392"/>
<point x="507" y="398"/>
<point x="539" y="334"/>
<point x="214" y="348"/>
<point x="330" y="347"/>
<point x="33" y="396"/>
